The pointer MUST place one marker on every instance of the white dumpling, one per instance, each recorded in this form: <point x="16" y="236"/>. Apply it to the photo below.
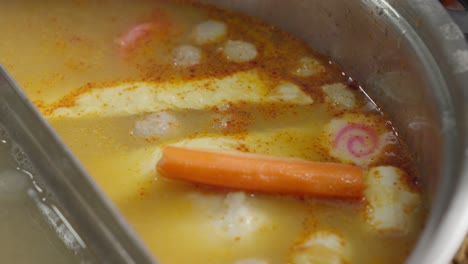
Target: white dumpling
<point x="391" y="203"/>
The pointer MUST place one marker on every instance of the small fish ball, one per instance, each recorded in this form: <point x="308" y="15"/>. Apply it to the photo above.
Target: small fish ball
<point x="321" y="247"/>
<point x="161" y="124"/>
<point x="239" y="51"/>
<point x="290" y="92"/>
<point x="391" y="202"/>
<point x="307" y="67"/>
<point x="186" y="56"/>
<point x="339" y="95"/>
<point x="209" y="31"/>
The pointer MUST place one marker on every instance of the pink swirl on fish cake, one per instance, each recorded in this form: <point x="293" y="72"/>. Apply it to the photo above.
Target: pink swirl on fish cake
<point x="359" y="140"/>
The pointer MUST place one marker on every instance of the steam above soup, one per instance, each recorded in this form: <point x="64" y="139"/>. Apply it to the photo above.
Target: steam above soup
<point x="121" y="81"/>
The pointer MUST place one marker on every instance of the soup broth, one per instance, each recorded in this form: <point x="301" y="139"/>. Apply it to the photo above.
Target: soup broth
<point x="120" y="80"/>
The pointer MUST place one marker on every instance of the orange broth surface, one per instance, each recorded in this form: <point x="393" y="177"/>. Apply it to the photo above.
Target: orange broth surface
<point x="62" y="51"/>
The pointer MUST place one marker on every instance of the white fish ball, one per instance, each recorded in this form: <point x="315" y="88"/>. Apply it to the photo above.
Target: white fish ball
<point x="239" y="51"/>
<point x="209" y="31"/>
<point x="289" y="92"/>
<point x="187" y="56"/>
<point x="160" y="124"/>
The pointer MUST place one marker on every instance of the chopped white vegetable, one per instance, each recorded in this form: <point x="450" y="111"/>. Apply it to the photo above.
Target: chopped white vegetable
<point x="307" y="67"/>
<point x="187" y="56"/>
<point x="321" y="247"/>
<point x="391" y="202"/>
<point x="251" y="261"/>
<point x="239" y="51"/>
<point x="209" y="31"/>
<point x="339" y="95"/>
<point x="159" y="124"/>
<point x="289" y="92"/>
<point x="356" y="138"/>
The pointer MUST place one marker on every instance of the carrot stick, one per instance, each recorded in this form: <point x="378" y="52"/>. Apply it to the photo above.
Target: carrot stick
<point x="261" y="173"/>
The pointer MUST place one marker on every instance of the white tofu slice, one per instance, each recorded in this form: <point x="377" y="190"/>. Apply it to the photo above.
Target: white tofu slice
<point x="391" y="202"/>
<point x="321" y="247"/>
<point x="148" y="97"/>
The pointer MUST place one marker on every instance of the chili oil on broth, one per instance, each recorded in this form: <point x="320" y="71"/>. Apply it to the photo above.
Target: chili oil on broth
<point x="240" y="105"/>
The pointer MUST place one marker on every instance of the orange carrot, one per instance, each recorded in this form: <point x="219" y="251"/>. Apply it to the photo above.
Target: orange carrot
<point x="261" y="173"/>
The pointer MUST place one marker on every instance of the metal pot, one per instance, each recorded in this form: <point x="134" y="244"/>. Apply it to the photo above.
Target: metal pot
<point x="410" y="57"/>
<point x="413" y="60"/>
